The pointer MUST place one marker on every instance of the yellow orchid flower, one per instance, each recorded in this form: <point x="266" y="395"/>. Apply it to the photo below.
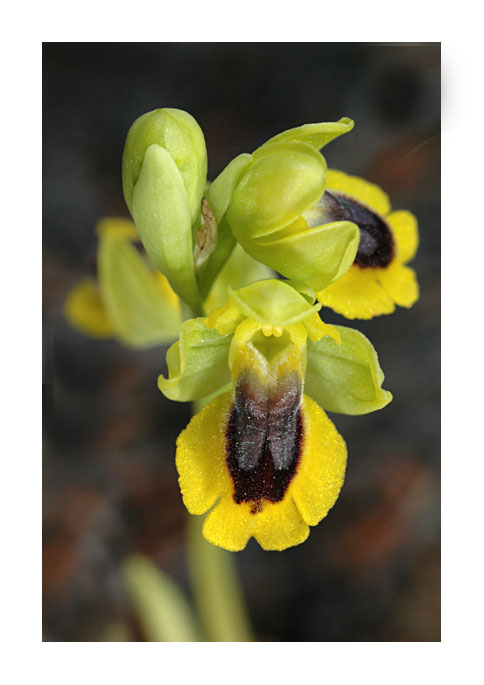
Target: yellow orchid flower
<point x="263" y="457"/>
<point x="379" y="278"/>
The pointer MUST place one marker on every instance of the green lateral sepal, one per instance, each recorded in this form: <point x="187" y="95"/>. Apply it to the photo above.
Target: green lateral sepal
<point x="345" y="378"/>
<point x="142" y="309"/>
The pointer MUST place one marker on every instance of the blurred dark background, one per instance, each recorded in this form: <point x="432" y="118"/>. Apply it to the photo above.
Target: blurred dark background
<point x="371" y="570"/>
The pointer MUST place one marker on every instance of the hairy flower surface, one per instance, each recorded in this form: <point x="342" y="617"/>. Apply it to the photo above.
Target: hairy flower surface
<point x="265" y="451"/>
<point x="379" y="278"/>
<point x="273" y="498"/>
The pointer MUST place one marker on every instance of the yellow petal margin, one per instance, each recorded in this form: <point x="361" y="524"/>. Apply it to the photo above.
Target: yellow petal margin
<point x="364" y="191"/>
<point x="405" y="230"/>
<point x="357" y="295"/>
<point x="400" y="282"/>
<point x="204" y="478"/>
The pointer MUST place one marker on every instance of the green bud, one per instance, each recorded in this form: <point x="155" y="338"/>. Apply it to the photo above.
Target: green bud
<point x="179" y="134"/>
<point x="197" y="363"/>
<point x="164" y="177"/>
<point x="345" y="378"/>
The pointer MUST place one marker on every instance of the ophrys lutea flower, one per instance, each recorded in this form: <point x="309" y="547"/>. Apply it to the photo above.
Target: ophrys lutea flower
<point x="263" y="456"/>
<point x="379" y="278"/>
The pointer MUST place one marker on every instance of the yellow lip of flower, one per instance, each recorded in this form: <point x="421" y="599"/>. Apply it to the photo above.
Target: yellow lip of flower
<point x="274" y="460"/>
<point x="379" y="278"/>
<point x="267" y="479"/>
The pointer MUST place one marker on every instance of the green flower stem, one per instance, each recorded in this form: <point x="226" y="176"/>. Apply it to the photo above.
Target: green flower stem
<point x="216" y="588"/>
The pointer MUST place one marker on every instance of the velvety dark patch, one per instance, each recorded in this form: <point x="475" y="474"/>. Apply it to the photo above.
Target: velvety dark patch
<point x="376" y="248"/>
<point x="264" y="440"/>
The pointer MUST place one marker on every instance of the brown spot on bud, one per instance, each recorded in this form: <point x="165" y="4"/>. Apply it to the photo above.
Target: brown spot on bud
<point x="206" y="239"/>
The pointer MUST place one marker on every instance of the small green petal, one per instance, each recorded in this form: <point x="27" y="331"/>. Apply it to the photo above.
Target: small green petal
<point x="345" y="378"/>
<point x="197" y="363"/>
<point x="161" y="213"/>
<point x="141" y="314"/>
<point x="317" y="135"/>
<point x="273" y="302"/>
<point x="179" y="134"/>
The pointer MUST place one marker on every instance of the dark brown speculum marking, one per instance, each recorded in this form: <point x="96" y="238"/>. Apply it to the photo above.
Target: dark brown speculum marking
<point x="264" y="439"/>
<point x="376" y="248"/>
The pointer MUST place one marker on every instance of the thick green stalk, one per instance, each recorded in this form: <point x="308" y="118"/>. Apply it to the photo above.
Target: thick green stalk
<point x="216" y="588"/>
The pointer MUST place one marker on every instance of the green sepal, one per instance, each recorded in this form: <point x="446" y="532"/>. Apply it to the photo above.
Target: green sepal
<point x="161" y="213"/>
<point x="317" y="135"/>
<point x="179" y="134"/>
<point x="219" y="192"/>
<point x="272" y="301"/>
<point x="319" y="256"/>
<point x="141" y="314"/>
<point x="303" y="289"/>
<point x="197" y="363"/>
<point x="345" y="378"/>
<point x="218" y="195"/>
<point x="283" y="181"/>
<point x="238" y="271"/>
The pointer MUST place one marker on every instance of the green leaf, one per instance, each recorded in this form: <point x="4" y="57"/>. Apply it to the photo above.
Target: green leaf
<point x="141" y="313"/>
<point x="197" y="363"/>
<point x="161" y="606"/>
<point x="345" y="378"/>
<point x="317" y="135"/>
<point x="161" y="213"/>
